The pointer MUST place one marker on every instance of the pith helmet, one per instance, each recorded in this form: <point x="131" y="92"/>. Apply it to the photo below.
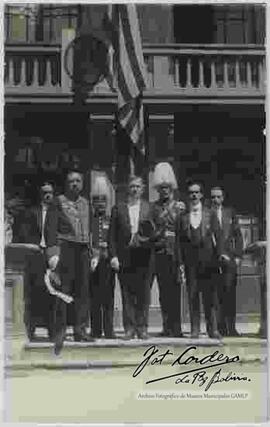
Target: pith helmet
<point x="100" y="187"/>
<point x="164" y="175"/>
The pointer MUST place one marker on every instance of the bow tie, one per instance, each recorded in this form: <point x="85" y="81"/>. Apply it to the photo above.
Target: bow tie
<point x="195" y="210"/>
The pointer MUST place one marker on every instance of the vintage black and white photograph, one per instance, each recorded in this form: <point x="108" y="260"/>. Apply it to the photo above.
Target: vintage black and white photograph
<point x="135" y="213"/>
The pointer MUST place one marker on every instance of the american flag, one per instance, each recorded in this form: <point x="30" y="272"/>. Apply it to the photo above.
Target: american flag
<point x="128" y="70"/>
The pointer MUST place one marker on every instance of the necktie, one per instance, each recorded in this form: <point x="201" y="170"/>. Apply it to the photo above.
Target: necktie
<point x="43" y="217"/>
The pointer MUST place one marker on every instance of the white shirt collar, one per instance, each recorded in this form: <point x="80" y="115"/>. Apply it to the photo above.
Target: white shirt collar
<point x="134" y="203"/>
<point x="196" y="208"/>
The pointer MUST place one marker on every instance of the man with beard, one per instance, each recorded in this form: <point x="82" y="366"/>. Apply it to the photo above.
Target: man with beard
<point x="197" y="250"/>
<point x="164" y="213"/>
<point x="130" y="256"/>
<point x="67" y="236"/>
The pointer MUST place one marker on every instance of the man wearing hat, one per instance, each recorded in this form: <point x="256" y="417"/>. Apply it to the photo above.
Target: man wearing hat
<point x="102" y="279"/>
<point x="164" y="213"/>
<point x="68" y="241"/>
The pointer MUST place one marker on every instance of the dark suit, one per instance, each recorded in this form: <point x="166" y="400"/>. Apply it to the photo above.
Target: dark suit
<point x="67" y="235"/>
<point x="231" y="242"/>
<point x="196" y="249"/>
<point x="134" y="261"/>
<point x="38" y="302"/>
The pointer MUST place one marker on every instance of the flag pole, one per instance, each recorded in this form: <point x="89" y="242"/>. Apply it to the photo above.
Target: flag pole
<point x="131" y="165"/>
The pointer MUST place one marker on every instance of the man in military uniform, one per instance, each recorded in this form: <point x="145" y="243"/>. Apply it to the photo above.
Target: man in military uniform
<point x="164" y="213"/>
<point x="67" y="238"/>
<point x="102" y="279"/>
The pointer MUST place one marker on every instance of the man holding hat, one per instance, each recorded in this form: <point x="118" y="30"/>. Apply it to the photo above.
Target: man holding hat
<point x="67" y="237"/>
<point x="130" y="252"/>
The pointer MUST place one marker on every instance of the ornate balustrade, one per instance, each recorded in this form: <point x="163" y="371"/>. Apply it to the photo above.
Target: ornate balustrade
<point x="32" y="69"/>
<point x="174" y="71"/>
<point x="206" y="70"/>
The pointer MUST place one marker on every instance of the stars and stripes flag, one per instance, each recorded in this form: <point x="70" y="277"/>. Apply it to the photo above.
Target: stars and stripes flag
<point x="108" y="44"/>
<point x="127" y="69"/>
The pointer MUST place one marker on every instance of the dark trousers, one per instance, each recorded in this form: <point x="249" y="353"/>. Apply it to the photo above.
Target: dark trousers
<point x="74" y="275"/>
<point x="263" y="327"/>
<point x="169" y="293"/>
<point x="202" y="278"/>
<point x="39" y="304"/>
<point x="102" y="284"/>
<point x="135" y="289"/>
<point x="227" y="298"/>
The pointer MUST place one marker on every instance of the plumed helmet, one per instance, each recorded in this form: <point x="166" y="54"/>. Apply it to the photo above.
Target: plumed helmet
<point x="100" y="187"/>
<point x="164" y="174"/>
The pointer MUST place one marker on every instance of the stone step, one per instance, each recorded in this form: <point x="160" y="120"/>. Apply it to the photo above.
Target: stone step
<point x="119" y="353"/>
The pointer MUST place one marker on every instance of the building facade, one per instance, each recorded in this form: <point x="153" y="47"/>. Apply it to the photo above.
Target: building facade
<point x="204" y="105"/>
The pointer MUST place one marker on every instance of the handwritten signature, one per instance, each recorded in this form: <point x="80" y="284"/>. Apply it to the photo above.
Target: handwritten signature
<point x="198" y="375"/>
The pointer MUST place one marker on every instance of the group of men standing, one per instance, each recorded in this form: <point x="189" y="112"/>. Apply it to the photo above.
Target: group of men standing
<point x="83" y="248"/>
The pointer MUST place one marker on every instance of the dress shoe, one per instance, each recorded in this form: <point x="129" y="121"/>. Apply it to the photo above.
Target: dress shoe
<point x="129" y="335"/>
<point x="233" y="333"/>
<point x="216" y="335"/>
<point x="143" y="335"/>
<point x="95" y="335"/>
<point x="163" y="334"/>
<point x="194" y="334"/>
<point x="51" y="334"/>
<point x="30" y="331"/>
<point x="262" y="333"/>
<point x="83" y="337"/>
<point x="31" y="336"/>
<point x="223" y="332"/>
<point x="59" y="342"/>
<point x="110" y="336"/>
<point x="177" y="334"/>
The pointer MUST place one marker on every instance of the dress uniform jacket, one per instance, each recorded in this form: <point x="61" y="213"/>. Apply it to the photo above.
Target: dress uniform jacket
<point x="67" y="235"/>
<point x="102" y="280"/>
<point x="164" y="216"/>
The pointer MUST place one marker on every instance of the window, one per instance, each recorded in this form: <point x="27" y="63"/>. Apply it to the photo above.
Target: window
<point x="224" y="24"/>
<point x="193" y="24"/>
<point x="16" y="24"/>
<point x="38" y="22"/>
<point x="239" y="24"/>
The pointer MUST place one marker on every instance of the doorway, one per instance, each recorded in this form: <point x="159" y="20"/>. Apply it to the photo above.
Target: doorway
<point x="193" y="24"/>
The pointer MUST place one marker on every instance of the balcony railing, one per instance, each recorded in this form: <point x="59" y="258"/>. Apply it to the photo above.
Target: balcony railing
<point x="173" y="71"/>
<point x="207" y="70"/>
<point x="32" y="69"/>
